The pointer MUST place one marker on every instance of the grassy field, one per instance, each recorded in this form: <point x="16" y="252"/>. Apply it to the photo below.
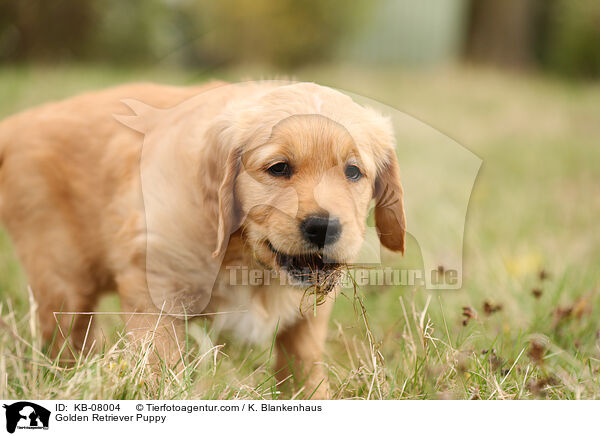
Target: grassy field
<point x="525" y="325"/>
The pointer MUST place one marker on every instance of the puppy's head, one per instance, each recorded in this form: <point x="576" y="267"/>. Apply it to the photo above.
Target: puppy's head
<point x="301" y="177"/>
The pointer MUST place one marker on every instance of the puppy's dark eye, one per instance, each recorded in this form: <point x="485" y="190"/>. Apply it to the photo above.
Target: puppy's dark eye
<point x="280" y="169"/>
<point x="353" y="173"/>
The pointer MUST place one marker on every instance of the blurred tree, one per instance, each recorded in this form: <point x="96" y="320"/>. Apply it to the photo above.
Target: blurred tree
<point x="43" y="29"/>
<point x="560" y="35"/>
<point x="501" y="32"/>
<point x="284" y="32"/>
<point x="572" y="46"/>
<point x="132" y="31"/>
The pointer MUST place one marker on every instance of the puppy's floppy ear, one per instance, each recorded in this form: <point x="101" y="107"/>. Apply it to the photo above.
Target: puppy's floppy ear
<point x="228" y="214"/>
<point x="389" y="205"/>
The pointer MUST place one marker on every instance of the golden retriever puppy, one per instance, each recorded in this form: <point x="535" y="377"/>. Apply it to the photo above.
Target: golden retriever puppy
<point x="164" y="204"/>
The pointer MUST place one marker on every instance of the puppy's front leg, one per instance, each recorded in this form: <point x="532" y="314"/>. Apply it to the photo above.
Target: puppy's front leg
<point x="299" y="351"/>
<point x="164" y="335"/>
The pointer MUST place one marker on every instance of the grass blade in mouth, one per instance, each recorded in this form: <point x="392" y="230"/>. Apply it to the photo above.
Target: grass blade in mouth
<point x="305" y="267"/>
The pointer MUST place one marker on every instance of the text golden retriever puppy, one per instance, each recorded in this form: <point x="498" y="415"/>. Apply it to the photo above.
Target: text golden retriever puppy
<point x="162" y="204"/>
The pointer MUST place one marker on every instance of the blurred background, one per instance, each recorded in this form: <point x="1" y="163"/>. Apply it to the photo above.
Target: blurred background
<point x="557" y="36"/>
<point x="516" y="82"/>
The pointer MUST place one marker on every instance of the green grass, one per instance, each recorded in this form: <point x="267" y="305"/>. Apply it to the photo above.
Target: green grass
<point x="535" y="206"/>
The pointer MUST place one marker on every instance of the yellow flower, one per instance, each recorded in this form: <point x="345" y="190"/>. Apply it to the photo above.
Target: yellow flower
<point x="523" y="264"/>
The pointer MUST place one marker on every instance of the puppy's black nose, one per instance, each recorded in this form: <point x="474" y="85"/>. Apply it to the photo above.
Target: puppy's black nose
<point x="321" y="230"/>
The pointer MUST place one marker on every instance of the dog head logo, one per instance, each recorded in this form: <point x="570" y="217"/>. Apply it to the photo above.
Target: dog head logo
<point x="26" y="415"/>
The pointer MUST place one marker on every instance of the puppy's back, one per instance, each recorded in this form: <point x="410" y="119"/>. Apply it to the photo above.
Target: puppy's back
<point x="62" y="163"/>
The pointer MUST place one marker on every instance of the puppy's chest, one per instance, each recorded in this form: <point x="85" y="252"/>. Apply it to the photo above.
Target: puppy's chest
<point x="254" y="313"/>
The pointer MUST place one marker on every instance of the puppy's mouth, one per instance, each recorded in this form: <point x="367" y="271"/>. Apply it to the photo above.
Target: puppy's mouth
<point x="305" y="267"/>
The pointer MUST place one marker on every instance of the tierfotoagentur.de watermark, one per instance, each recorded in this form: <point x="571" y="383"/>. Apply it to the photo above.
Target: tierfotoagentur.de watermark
<point x="358" y="275"/>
